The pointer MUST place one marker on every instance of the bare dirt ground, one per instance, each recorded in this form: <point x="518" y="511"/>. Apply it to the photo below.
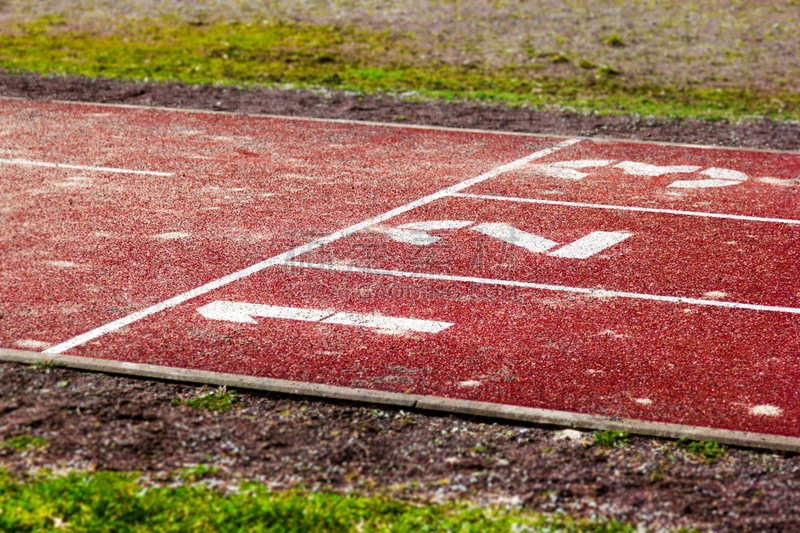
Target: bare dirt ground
<point x="701" y="43"/>
<point x="762" y="134"/>
<point x="105" y="422"/>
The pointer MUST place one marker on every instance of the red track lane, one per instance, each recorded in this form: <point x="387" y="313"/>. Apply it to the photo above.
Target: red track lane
<point x="82" y="248"/>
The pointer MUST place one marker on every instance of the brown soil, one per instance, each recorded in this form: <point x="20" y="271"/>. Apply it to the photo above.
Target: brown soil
<point x="95" y="421"/>
<point x="763" y="134"/>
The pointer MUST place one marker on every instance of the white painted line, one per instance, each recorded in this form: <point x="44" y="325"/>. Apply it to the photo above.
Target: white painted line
<point x="25" y="162"/>
<point x="582" y="163"/>
<point x="409" y="236"/>
<point x="702" y="184"/>
<point x="434" y="225"/>
<point x="243" y="311"/>
<point x="643" y="169"/>
<point x="512" y="235"/>
<point x="560" y="173"/>
<point x="625" y="208"/>
<point x="591" y="244"/>
<point x="725" y="174"/>
<point x="388" y="322"/>
<point x="294" y="252"/>
<point x="600" y="293"/>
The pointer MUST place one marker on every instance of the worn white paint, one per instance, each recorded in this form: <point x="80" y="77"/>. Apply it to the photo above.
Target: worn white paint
<point x="243" y="312"/>
<point x="644" y="169"/>
<point x="25" y="162"/>
<point x="566" y="169"/>
<point x="512" y="235"/>
<point x="63" y="264"/>
<point x="32" y="344"/>
<point x="434" y="225"/>
<point x="591" y="244"/>
<point x="779" y="182"/>
<point x="172" y="235"/>
<point x="715" y="294"/>
<point x="724" y="174"/>
<point x="625" y="208"/>
<point x="701" y="184"/>
<point x="561" y="173"/>
<point x="409" y="236"/>
<point x="582" y="163"/>
<point x="390" y="323"/>
<point x="766" y="410"/>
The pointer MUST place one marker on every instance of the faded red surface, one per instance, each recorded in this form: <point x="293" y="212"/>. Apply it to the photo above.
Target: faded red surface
<point x="246" y="189"/>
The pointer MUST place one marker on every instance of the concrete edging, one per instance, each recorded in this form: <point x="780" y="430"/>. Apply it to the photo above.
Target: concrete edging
<point x="434" y="404"/>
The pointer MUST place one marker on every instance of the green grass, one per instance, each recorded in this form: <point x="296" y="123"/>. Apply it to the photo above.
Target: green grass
<point x="609" y="438"/>
<point x="24" y="442"/>
<point x="346" y="57"/>
<point x="219" y="400"/>
<point x="709" y="450"/>
<point x="117" y="502"/>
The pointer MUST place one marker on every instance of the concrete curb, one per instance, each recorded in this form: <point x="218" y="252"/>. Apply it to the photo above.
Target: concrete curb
<point x="433" y="404"/>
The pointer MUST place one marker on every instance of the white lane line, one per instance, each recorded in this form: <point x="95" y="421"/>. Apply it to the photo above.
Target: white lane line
<point x="600" y="293"/>
<point x="294" y="252"/>
<point x="243" y="312"/>
<point x="591" y="244"/>
<point x="504" y="232"/>
<point x="25" y="162"/>
<point x="624" y="208"/>
<point x="391" y="323"/>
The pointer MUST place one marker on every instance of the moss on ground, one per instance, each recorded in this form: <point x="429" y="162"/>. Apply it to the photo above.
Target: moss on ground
<point x="268" y="53"/>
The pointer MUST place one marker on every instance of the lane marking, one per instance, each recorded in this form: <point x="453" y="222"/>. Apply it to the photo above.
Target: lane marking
<point x="644" y="169"/>
<point x="294" y="252"/>
<point x="416" y="232"/>
<point x="25" y="162"/>
<point x="591" y="244"/>
<point x="391" y="323"/>
<point x="623" y="208"/>
<point x="566" y="169"/>
<point x="512" y="235"/>
<point x="702" y="184"/>
<point x="600" y="293"/>
<point x="434" y="225"/>
<point x="724" y="174"/>
<point x="408" y="236"/>
<point x="242" y="312"/>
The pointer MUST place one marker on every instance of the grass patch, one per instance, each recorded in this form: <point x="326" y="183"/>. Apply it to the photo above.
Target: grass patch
<point x="47" y="365"/>
<point x="24" y="442"/>
<point x="220" y="399"/>
<point x="346" y="57"/>
<point x="610" y="438"/>
<point x="709" y="450"/>
<point x="110" y="501"/>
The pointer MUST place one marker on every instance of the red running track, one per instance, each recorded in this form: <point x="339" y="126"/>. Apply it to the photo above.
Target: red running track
<point x="625" y="279"/>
